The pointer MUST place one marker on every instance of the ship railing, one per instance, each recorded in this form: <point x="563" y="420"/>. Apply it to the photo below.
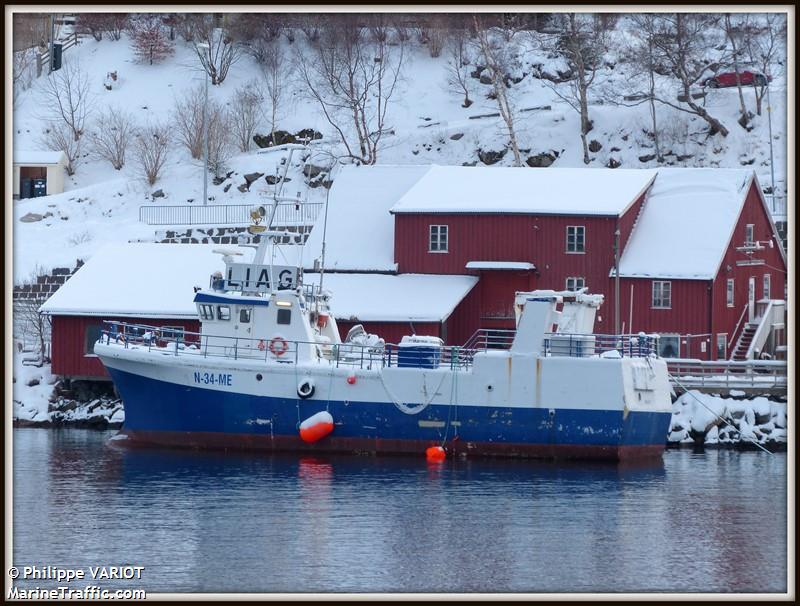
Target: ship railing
<point x="347" y="355"/>
<point x="638" y="345"/>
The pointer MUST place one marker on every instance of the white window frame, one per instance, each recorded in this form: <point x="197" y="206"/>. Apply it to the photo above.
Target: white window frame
<point x="438" y="238"/>
<point x="171" y="333"/>
<point x="658" y="285"/>
<point x="221" y="314"/>
<point x="749" y="233"/>
<point x="575" y="280"/>
<point x="766" y="286"/>
<point x="206" y="311"/>
<point x="576" y="230"/>
<point x="730" y="293"/>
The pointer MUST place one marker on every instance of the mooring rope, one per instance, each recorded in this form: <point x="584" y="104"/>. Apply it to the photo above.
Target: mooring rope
<point x="409" y="410"/>
<point x="716" y="415"/>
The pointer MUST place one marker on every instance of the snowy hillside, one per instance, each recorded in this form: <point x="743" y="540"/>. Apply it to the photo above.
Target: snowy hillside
<point x="427" y="125"/>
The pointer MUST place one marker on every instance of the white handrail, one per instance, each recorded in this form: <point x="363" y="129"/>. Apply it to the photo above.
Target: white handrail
<point x="764" y="328"/>
<point x="736" y="330"/>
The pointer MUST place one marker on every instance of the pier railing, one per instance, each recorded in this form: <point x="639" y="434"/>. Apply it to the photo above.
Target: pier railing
<point x="286" y="214"/>
<point x="766" y="376"/>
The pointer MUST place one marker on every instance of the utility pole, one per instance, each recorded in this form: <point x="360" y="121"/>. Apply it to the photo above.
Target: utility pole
<point x="616" y="282"/>
<point x="204" y="46"/>
<point x="771" y="162"/>
<point x="52" y="42"/>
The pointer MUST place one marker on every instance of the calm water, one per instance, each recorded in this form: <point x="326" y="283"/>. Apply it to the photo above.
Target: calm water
<point x="203" y="522"/>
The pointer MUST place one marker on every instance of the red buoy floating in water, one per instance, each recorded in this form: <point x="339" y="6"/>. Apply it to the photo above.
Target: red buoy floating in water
<point x="435" y="454"/>
<point x="316" y="427"/>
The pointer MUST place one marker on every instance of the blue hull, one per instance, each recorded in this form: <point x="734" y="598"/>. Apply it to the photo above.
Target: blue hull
<point x="163" y="413"/>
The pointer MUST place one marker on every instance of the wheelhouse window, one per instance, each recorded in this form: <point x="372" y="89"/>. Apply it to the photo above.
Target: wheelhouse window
<point x="767" y="286"/>
<point x="223" y="312"/>
<point x="284" y="316"/>
<point x="729" y="293"/>
<point x="662" y="294"/>
<point x="244" y="315"/>
<point x="575" y="283"/>
<point x="576" y="239"/>
<point x="92" y="334"/>
<point x="437" y="241"/>
<point x="748" y="233"/>
<point x="206" y="312"/>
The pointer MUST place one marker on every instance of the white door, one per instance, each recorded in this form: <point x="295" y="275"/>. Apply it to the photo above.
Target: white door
<point x="751" y="299"/>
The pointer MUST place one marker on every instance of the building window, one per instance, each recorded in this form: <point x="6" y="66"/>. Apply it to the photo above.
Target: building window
<point x="748" y="233"/>
<point x="729" y="293"/>
<point x="662" y="294"/>
<point x="575" y="283"/>
<point x="669" y="346"/>
<point x="438" y="238"/>
<point x="93" y="332"/>
<point x="576" y="239"/>
<point x="223" y="312"/>
<point x="722" y="346"/>
<point x="172" y="333"/>
<point x="767" y="285"/>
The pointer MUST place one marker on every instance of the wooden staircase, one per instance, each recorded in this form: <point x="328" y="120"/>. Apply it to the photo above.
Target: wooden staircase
<point x="743" y="344"/>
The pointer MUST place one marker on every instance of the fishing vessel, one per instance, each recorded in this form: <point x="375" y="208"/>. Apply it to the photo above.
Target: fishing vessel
<point x="269" y="370"/>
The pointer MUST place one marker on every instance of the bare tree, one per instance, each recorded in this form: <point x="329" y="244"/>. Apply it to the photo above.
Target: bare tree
<point x="458" y="64"/>
<point x="30" y="323"/>
<point x="151" y="147"/>
<point x="67" y="93"/>
<point x="116" y="23"/>
<point x="149" y="38"/>
<point x="111" y="134"/>
<point x="277" y="71"/>
<point x="733" y="28"/>
<point x="93" y="24"/>
<point x="640" y="54"/>
<point x="764" y="47"/>
<point x="494" y="56"/>
<point x="352" y="77"/>
<point x="582" y="43"/>
<point x="58" y="137"/>
<point x="220" y="147"/>
<point x="685" y="43"/>
<point x="187" y="119"/>
<point x="433" y="33"/>
<point x="215" y="47"/>
<point x="22" y="72"/>
<point x="257" y="32"/>
<point x="311" y="24"/>
<point x="245" y="113"/>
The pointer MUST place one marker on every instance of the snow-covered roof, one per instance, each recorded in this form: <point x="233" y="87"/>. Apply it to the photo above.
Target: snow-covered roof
<point x="156" y="281"/>
<point x="560" y="191"/>
<point x="138" y="280"/>
<point x="360" y="229"/>
<point x="687" y="223"/>
<point x="394" y="298"/>
<point x="38" y="157"/>
<point x="499" y="265"/>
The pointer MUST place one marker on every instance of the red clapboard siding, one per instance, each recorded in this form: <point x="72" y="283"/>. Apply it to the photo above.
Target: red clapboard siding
<point x="67" y="351"/>
<point x="689" y="314"/>
<point x="536" y="239"/>
<point x="724" y="318"/>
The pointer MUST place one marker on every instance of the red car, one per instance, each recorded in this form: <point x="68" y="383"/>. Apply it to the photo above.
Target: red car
<point x="729" y="79"/>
